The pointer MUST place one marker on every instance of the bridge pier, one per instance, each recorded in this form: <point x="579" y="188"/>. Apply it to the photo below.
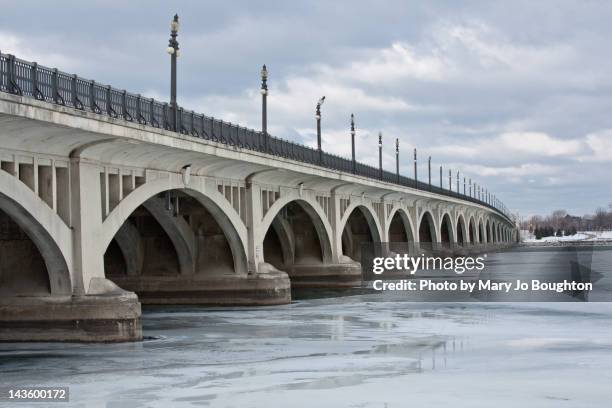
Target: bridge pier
<point x="261" y="289"/>
<point x="91" y="318"/>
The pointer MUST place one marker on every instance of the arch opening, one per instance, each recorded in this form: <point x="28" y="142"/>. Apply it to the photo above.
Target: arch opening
<point x="472" y="231"/>
<point x="177" y="232"/>
<point x="31" y="262"/>
<point x="446" y="231"/>
<point x="360" y="228"/>
<point x="482" y="236"/>
<point x="296" y="236"/>
<point x="427" y="231"/>
<point x="400" y="235"/>
<point x="489" y="232"/>
<point x="461" y="236"/>
<point x="22" y="268"/>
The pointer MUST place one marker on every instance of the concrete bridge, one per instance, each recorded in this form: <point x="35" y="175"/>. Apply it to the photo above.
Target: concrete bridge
<point x="102" y="208"/>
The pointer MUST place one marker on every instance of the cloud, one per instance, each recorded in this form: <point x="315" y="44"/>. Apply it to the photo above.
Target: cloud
<point x="514" y="99"/>
<point x="514" y="146"/>
<point x="600" y="144"/>
<point x="398" y="62"/>
<point x="34" y="49"/>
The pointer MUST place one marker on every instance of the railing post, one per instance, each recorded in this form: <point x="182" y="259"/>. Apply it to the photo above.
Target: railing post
<point x="152" y="119"/>
<point x="34" y="75"/>
<point x="124" y="110"/>
<point x="54" y="85"/>
<point x="179" y="119"/>
<point x="10" y="73"/>
<point x="92" y="96"/>
<point x="109" y="105"/>
<point x="73" y="92"/>
<point x="138" y="109"/>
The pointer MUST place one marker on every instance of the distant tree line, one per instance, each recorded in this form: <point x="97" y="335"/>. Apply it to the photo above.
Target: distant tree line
<point x="560" y="223"/>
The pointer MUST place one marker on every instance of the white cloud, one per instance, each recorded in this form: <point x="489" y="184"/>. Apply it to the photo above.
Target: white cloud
<point x="513" y="172"/>
<point x="35" y="50"/>
<point x="600" y="144"/>
<point x="396" y="63"/>
<point x="515" y="145"/>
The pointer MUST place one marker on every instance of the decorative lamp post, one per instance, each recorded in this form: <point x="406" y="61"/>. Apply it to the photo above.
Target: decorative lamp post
<point x="457" y="183"/>
<point x="429" y="171"/>
<point x="318" y="117"/>
<point x="380" y="170"/>
<point x="415" y="168"/>
<point x="264" y="105"/>
<point x="354" y="164"/>
<point x="397" y="160"/>
<point x="173" y="50"/>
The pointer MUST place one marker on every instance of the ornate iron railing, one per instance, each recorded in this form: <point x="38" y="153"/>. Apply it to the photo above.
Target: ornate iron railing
<point x="50" y="85"/>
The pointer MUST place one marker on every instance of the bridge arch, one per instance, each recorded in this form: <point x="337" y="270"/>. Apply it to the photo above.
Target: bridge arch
<point x="463" y="236"/>
<point x="447" y="230"/>
<point x="482" y="233"/>
<point x="472" y="230"/>
<point x="49" y="234"/>
<point x="300" y="230"/>
<point x="359" y="224"/>
<point x="400" y="221"/>
<point x="428" y="233"/>
<point x="489" y="231"/>
<point x="219" y="209"/>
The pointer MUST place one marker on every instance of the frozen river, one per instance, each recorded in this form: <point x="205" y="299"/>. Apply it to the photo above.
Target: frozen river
<point x="357" y="350"/>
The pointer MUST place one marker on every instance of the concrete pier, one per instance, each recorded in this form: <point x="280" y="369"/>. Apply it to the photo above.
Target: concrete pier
<point x="92" y="318"/>
<point x="272" y="288"/>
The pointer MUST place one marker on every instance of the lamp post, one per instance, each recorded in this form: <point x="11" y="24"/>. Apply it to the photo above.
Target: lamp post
<point x="318" y="117"/>
<point x="440" y="177"/>
<point x="173" y="50"/>
<point x="397" y="160"/>
<point x="353" y="143"/>
<point x="380" y="170"/>
<point x="450" y="180"/>
<point x="457" y="183"/>
<point x="470" y="187"/>
<point x="429" y="171"/>
<point x="264" y="106"/>
<point x="464" y="189"/>
<point x="415" y="168"/>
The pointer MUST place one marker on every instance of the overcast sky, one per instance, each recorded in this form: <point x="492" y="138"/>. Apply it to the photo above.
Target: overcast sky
<point x="515" y="95"/>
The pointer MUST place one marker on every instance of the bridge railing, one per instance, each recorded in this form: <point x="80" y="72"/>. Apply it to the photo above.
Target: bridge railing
<point x="51" y="85"/>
